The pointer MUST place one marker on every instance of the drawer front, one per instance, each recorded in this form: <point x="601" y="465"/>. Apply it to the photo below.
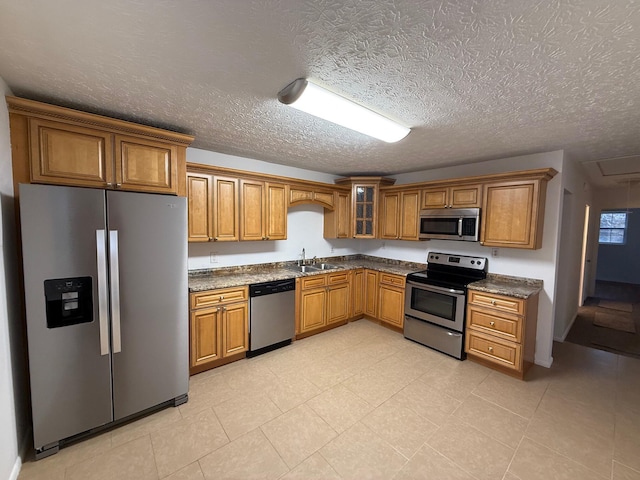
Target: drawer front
<point x="334" y="278"/>
<point x="216" y="297"/>
<point x="313" y="282"/>
<point x="390" y="279"/>
<point x="508" y="355"/>
<point x="506" y="304"/>
<point x="507" y="326"/>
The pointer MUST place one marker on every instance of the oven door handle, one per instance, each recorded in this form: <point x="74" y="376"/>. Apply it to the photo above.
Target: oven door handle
<point x="437" y="289"/>
<point x="460" y="227"/>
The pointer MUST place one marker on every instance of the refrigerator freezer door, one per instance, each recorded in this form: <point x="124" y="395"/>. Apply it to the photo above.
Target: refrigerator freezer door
<point x="70" y="379"/>
<point x="152" y="366"/>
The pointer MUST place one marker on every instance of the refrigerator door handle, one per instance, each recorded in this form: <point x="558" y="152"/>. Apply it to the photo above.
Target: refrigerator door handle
<point x="115" y="291"/>
<point x="103" y="292"/>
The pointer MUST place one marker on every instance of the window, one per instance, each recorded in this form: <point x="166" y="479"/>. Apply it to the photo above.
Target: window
<point x="613" y="228"/>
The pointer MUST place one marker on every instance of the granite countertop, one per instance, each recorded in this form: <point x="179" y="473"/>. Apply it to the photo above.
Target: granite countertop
<point x="201" y="280"/>
<point x="518" y="287"/>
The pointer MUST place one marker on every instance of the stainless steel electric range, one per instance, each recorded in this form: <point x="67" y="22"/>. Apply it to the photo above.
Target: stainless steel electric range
<point x="435" y="301"/>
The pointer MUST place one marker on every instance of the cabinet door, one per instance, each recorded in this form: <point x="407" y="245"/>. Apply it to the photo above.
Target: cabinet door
<point x="312" y="309"/>
<point x="434" y="197"/>
<point x="468" y="196"/>
<point x="337" y="221"/>
<point x="509" y="214"/>
<point x="364" y="211"/>
<point x="391" y="305"/>
<point x="225" y="209"/>
<point x="145" y="165"/>
<point x="200" y="205"/>
<point x="370" y="293"/>
<point x="276" y="207"/>
<point x="235" y="328"/>
<point x="252" y="210"/>
<point x="206" y="342"/>
<point x="409" y="212"/>
<point x="69" y="155"/>
<point x="338" y="302"/>
<point x="357" y="290"/>
<point x="390" y="209"/>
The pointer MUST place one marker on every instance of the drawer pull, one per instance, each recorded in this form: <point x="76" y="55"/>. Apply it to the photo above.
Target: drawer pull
<point x="493" y="302"/>
<point x="492" y="323"/>
<point x="490" y="349"/>
<point x="221" y="297"/>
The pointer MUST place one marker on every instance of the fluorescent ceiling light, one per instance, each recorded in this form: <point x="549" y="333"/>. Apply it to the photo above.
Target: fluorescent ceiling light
<point x="309" y="97"/>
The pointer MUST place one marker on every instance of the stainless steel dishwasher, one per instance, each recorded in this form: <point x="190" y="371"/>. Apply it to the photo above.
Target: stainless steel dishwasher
<point x="272" y="315"/>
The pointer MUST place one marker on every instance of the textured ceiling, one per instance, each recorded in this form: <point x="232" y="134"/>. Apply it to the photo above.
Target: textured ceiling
<point x="475" y="79"/>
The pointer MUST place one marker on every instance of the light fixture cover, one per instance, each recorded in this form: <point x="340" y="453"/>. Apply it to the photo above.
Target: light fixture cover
<point x="310" y="98"/>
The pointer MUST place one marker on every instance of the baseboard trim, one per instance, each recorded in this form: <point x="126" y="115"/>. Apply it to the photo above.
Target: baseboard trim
<point x="566" y="330"/>
<point x="16" y="469"/>
<point x="544" y="363"/>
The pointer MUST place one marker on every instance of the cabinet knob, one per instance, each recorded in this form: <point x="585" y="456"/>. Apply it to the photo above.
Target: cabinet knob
<point x="221" y="297"/>
<point x="118" y="185"/>
<point x="224" y="309"/>
<point x="215" y="239"/>
<point x="492" y="323"/>
<point x="490" y="349"/>
<point x="493" y="302"/>
<point x="109" y="184"/>
<point x="210" y="238"/>
<point x="267" y="238"/>
<point x="264" y="238"/>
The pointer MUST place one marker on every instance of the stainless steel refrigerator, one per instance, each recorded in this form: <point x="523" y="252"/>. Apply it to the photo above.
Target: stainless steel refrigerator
<point x="105" y="277"/>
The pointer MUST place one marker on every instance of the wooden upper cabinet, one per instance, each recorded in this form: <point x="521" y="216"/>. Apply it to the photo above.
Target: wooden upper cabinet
<point x="145" y="165"/>
<point x="253" y="210"/>
<point x="513" y="214"/>
<point x="462" y="196"/>
<point x="301" y="194"/>
<point x="337" y="222"/>
<point x="70" y="155"/>
<point x="399" y="215"/>
<point x="200" y="207"/>
<point x="390" y="215"/>
<point x="225" y="209"/>
<point x="213" y="211"/>
<point x="276" y="208"/>
<point x="263" y="214"/>
<point x="62" y="146"/>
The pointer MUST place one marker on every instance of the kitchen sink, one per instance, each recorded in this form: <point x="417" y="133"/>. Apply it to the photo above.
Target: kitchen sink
<point x="302" y="268"/>
<point x="325" y="266"/>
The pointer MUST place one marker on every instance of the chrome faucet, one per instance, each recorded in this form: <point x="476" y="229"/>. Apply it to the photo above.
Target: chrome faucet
<point x="303" y="259"/>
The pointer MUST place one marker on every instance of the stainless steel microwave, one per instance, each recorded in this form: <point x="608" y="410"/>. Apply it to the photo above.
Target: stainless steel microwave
<point x="450" y="224"/>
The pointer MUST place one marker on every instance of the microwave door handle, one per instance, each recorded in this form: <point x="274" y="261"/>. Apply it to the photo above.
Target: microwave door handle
<point x="437" y="289"/>
<point x="460" y="227"/>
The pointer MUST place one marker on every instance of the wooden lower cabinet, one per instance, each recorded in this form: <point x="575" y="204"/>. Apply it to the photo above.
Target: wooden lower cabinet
<point x="391" y="299"/>
<point x="357" y="293"/>
<point x="219" y="327"/>
<point x="371" y="293"/>
<point x="322" y="301"/>
<point x="501" y="331"/>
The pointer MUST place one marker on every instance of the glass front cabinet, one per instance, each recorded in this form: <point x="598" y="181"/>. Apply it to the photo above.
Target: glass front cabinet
<point x="365" y="197"/>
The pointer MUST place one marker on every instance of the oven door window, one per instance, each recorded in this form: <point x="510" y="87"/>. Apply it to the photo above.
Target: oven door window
<point x="439" y="226"/>
<point x="437" y="304"/>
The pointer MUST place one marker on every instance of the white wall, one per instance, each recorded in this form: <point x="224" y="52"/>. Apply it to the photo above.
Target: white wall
<point x="577" y="193"/>
<point x="305" y="223"/>
<point x="12" y="422"/>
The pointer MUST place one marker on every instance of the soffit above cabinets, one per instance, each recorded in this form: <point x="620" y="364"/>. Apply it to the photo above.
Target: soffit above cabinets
<point x="475" y="79"/>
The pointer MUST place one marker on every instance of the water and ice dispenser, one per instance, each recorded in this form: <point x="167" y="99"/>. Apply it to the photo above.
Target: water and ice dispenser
<point x="69" y="301"/>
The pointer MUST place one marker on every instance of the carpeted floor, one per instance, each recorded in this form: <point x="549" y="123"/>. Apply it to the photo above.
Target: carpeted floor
<point x="584" y="332"/>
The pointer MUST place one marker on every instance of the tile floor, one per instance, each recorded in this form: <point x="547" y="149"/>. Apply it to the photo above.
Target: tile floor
<point x="362" y="402"/>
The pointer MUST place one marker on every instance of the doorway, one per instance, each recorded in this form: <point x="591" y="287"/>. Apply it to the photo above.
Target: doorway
<point x="585" y="263"/>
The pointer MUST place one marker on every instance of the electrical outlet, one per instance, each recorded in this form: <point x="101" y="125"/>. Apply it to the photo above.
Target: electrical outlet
<point x="213" y="257"/>
<point x="384" y="244"/>
<point x="494" y="252"/>
<point x="333" y="249"/>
